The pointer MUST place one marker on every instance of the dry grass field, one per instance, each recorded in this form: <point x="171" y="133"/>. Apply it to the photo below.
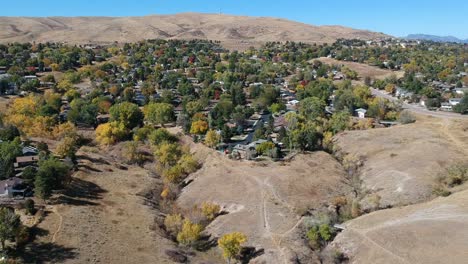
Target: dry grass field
<point x="265" y="200"/>
<point x="364" y="70"/>
<point x="432" y="232"/>
<point x="401" y="162"/>
<point x="100" y="219"/>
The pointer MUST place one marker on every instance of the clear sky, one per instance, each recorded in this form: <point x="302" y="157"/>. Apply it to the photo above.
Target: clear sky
<point x="394" y="17"/>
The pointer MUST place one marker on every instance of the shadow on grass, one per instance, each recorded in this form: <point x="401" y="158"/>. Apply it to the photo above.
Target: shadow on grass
<point x="46" y="253"/>
<point x="80" y="192"/>
<point x="99" y="161"/>
<point x="36" y="252"/>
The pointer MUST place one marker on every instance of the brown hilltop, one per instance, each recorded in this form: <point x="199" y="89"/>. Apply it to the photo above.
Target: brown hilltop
<point x="232" y="30"/>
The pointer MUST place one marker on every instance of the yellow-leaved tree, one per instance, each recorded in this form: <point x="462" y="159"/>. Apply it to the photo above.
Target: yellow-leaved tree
<point x="199" y="127"/>
<point x="212" y="138"/>
<point x="231" y="245"/>
<point x="110" y="133"/>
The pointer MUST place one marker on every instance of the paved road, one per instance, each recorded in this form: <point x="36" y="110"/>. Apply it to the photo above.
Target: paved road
<point x="420" y="109"/>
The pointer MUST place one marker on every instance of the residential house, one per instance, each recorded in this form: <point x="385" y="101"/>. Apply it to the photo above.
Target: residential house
<point x="454" y="101"/>
<point x="361" y="112"/>
<point x="446" y="107"/>
<point x="461" y="91"/>
<point x="23" y="162"/>
<point x="30" y="151"/>
<point x="13" y="187"/>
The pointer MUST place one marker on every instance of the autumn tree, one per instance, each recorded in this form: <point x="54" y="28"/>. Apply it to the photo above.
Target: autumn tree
<point x="212" y="138"/>
<point x="199" y="127"/>
<point x="110" y="133"/>
<point x="231" y="245"/>
<point x="68" y="146"/>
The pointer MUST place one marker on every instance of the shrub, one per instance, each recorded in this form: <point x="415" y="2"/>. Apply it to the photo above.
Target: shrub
<point x="406" y="117"/>
<point x="173" y="223"/>
<point x="264" y="147"/>
<point x="160" y="136"/>
<point x="326" y="232"/>
<point x="29" y="206"/>
<point x="314" y="237"/>
<point x="231" y="244"/>
<point x="210" y="210"/>
<point x="189" y="233"/>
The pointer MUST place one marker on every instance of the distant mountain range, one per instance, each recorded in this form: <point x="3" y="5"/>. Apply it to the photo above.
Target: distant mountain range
<point x="436" y="38"/>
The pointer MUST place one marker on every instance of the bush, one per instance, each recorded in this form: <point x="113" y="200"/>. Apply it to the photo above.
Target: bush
<point x="160" y="136"/>
<point x="320" y="235"/>
<point x="210" y="210"/>
<point x="406" y="117"/>
<point x="29" y="205"/>
<point x="264" y="147"/>
<point x="173" y="224"/>
<point x="190" y="233"/>
<point x="314" y="237"/>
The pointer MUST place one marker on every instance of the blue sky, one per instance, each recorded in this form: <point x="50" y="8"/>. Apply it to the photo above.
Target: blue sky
<point x="395" y="17"/>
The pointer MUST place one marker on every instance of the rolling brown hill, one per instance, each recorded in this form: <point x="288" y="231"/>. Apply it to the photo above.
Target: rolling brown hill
<point x="233" y="31"/>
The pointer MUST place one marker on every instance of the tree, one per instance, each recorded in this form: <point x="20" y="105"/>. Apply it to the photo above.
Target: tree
<point x="9" y="150"/>
<point x="159" y="113"/>
<point x="64" y="85"/>
<point x="277" y="107"/>
<point x="212" y="138"/>
<point x="9" y="133"/>
<point x="126" y="113"/>
<point x="231" y="245"/>
<point x="51" y="175"/>
<point x="10" y="224"/>
<point x="305" y="137"/>
<point x="168" y="154"/>
<point x="199" y="127"/>
<point x="462" y="107"/>
<point x="83" y="112"/>
<point x="189" y="233"/>
<point x="110" y="133"/>
<point x="312" y="108"/>
<point x="339" y="121"/>
<point x="68" y="147"/>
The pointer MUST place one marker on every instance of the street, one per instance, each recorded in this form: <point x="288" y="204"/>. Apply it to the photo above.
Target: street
<point x="416" y="108"/>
